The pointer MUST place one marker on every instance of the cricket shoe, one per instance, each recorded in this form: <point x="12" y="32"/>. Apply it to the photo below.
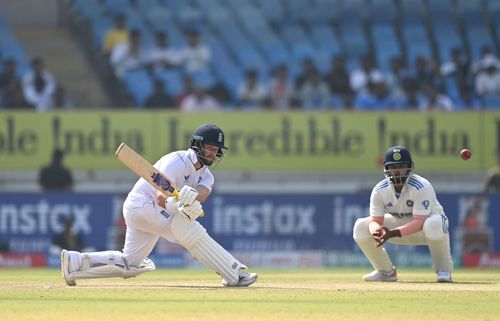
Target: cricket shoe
<point x="245" y="279"/>
<point x="66" y="267"/>
<point x="379" y="276"/>
<point x="444" y="277"/>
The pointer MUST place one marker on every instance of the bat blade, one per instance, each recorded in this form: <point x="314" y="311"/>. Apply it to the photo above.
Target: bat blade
<point x="144" y="169"/>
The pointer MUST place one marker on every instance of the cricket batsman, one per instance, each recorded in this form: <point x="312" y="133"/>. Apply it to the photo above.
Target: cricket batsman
<point x="149" y="215"/>
<point x="403" y="210"/>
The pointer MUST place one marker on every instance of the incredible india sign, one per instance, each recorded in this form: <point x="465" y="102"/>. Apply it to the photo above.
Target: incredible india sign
<point x="301" y="141"/>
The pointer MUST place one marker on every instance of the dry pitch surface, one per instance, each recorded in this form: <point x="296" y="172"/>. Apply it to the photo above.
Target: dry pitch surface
<point x="333" y="294"/>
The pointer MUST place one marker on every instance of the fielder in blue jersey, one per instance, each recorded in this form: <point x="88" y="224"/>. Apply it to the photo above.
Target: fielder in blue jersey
<point x="403" y="210"/>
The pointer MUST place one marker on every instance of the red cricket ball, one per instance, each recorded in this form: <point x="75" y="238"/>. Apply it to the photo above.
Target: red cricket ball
<point x="465" y="154"/>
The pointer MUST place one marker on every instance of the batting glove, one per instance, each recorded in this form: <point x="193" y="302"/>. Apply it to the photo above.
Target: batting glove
<point x="192" y="211"/>
<point x="187" y="195"/>
<point x="382" y="234"/>
<point x="172" y="204"/>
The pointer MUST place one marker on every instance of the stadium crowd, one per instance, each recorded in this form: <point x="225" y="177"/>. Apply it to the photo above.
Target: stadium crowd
<point x="181" y="77"/>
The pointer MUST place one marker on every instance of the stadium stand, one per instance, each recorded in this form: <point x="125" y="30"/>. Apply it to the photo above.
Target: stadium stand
<point x="263" y="35"/>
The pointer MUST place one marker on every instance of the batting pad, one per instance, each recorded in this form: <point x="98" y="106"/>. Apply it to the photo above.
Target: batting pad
<point x="377" y="256"/>
<point x="205" y="249"/>
<point x="107" y="264"/>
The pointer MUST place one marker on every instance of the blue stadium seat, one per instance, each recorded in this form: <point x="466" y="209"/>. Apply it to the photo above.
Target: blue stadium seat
<point x="478" y="36"/>
<point x="491" y="102"/>
<point x="276" y="53"/>
<point x="273" y="10"/>
<point x="324" y="38"/>
<point x="416" y="41"/>
<point x="446" y="35"/>
<point x="411" y="10"/>
<point x="385" y="43"/>
<point x="173" y="80"/>
<point x="231" y="78"/>
<point x="383" y="11"/>
<point x="352" y="11"/>
<point x="139" y="84"/>
<point x="353" y="40"/>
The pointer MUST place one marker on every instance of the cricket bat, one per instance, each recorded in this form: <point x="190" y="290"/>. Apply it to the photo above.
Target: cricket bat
<point x="144" y="169"/>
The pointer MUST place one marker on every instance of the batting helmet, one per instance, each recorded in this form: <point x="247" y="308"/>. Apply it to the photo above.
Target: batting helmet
<point x="207" y="134"/>
<point x="398" y="155"/>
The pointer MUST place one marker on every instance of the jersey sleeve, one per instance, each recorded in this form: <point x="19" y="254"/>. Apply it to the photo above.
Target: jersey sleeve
<point x="172" y="168"/>
<point x="207" y="180"/>
<point x="423" y="200"/>
<point x="377" y="207"/>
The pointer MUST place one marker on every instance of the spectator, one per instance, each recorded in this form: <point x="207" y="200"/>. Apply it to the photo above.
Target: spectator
<point x="220" y="93"/>
<point x="378" y="97"/>
<point x="487" y="57"/>
<point x="159" y="98"/>
<point x="14" y="97"/>
<point x="488" y="80"/>
<point x="39" y="86"/>
<point x="197" y="56"/>
<point x="361" y="78"/>
<point x="199" y="100"/>
<point x="467" y="99"/>
<point x="282" y="93"/>
<point x="8" y="76"/>
<point x="162" y="55"/>
<point x="308" y="67"/>
<point x="396" y="77"/>
<point x="68" y="239"/>
<point x="314" y="92"/>
<point x="116" y="36"/>
<point x="457" y="67"/>
<point x="61" y="101"/>
<point x="411" y="99"/>
<point x="251" y="93"/>
<point x="129" y="55"/>
<point x="188" y="89"/>
<point x="426" y="73"/>
<point x="492" y="184"/>
<point x="338" y="80"/>
<point x="56" y="177"/>
<point x="435" y="100"/>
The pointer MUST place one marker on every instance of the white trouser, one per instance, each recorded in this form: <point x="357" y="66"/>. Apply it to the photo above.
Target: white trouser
<point x="145" y="224"/>
<point x="434" y="234"/>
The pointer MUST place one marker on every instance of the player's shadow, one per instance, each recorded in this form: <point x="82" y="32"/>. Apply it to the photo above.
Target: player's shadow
<point x="159" y="286"/>
<point x="451" y="283"/>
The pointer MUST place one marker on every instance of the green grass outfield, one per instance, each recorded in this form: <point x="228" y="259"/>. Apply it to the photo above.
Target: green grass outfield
<point x="330" y="294"/>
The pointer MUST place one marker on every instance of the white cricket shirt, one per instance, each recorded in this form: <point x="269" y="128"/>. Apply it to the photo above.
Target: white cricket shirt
<point x="179" y="168"/>
<point x="417" y="198"/>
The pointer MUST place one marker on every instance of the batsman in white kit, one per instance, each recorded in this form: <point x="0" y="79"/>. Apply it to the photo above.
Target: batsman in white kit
<point x="403" y="210"/>
<point x="149" y="214"/>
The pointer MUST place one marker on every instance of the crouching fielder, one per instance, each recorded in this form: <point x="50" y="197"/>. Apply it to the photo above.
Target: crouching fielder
<point x="149" y="215"/>
<point x="403" y="210"/>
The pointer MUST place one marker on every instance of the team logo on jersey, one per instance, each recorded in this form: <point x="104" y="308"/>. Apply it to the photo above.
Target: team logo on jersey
<point x="426" y="204"/>
<point x="186" y="177"/>
<point x="164" y="213"/>
<point x="409" y="203"/>
<point x="389" y="204"/>
<point x="396" y="156"/>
